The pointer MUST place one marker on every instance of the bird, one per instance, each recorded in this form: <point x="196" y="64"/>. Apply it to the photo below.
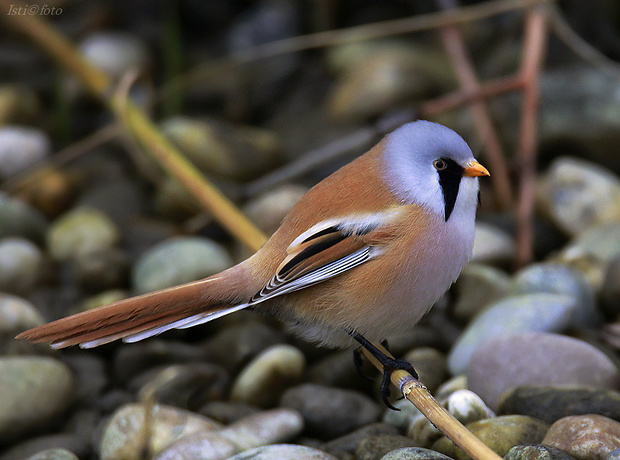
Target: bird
<point x="363" y="254"/>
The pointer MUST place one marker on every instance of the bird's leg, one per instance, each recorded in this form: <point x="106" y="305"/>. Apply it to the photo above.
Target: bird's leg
<point x="390" y="364"/>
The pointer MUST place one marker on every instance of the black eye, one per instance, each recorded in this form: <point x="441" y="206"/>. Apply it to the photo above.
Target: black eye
<point x="440" y="164"/>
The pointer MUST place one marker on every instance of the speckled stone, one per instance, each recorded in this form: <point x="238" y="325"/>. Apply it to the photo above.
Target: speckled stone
<point x="585" y="437"/>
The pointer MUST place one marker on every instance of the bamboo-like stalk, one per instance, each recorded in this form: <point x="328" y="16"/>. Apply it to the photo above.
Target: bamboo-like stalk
<point x="137" y="123"/>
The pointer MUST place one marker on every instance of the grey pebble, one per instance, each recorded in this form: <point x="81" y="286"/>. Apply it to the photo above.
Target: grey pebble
<point x="477" y="286"/>
<point x="375" y="447"/>
<point x="536" y="452"/>
<point x="550" y="403"/>
<point x="283" y="452"/>
<point x="506" y="362"/>
<point x="101" y="270"/>
<point x="122" y="434"/>
<point x="414" y="453"/>
<point x="337" y="369"/>
<point x="20" y="219"/>
<point x="227" y="412"/>
<point x="539" y="312"/>
<point x="63" y="446"/>
<point x="90" y="373"/>
<point x="330" y="412"/>
<point x="188" y="386"/>
<point x="178" y="261"/>
<point x="115" y="53"/>
<point x="610" y="289"/>
<point x="347" y="444"/>
<point x="262" y="382"/>
<point x="430" y="364"/>
<point x="20" y="148"/>
<point x="54" y="454"/>
<point x="34" y="390"/>
<point x="20" y="265"/>
<point x="579" y="194"/>
<point x="269" y="208"/>
<point x="492" y="245"/>
<point x="80" y="232"/>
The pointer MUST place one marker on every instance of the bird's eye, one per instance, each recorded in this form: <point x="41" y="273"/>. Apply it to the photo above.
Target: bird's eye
<point x="440" y="164"/>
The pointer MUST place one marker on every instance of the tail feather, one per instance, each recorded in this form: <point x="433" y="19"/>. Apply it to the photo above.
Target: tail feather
<point x="143" y="316"/>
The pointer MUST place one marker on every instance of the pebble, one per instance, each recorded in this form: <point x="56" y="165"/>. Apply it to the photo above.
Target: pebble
<point x="499" y="433"/>
<point x="49" y="189"/>
<point x="506" y="362"/>
<point x="337" y="369"/>
<point x="236" y="345"/>
<point x="90" y="375"/>
<point x="62" y="446"/>
<point x="262" y="382"/>
<point x="578" y="194"/>
<point x="414" y="453"/>
<point x="101" y="270"/>
<point x="464" y="405"/>
<point x="34" y="390"/>
<point x="478" y="286"/>
<point x="238" y="152"/>
<point x="17" y="315"/>
<point x="610" y="289"/>
<point x="20" y="148"/>
<point x="227" y="412"/>
<point x="54" y="454"/>
<point x="81" y="232"/>
<point x="376" y="75"/>
<point x="120" y="199"/>
<point x="123" y="436"/>
<point x="375" y="447"/>
<point x="188" y="386"/>
<point x="177" y="261"/>
<point x="20" y="219"/>
<point x="115" y="53"/>
<point x="18" y="104"/>
<point x="430" y="364"/>
<point x="558" y="279"/>
<point x="541" y="312"/>
<point x="346" y="445"/>
<point x="536" y="452"/>
<point x="613" y="455"/>
<point x="492" y="245"/>
<point x="256" y="430"/>
<point x="130" y="361"/>
<point x="585" y="437"/>
<point x="283" y="452"/>
<point x="330" y="412"/>
<point x="268" y="209"/>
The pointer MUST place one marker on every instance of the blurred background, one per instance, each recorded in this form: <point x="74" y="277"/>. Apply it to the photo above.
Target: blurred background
<point x="266" y="98"/>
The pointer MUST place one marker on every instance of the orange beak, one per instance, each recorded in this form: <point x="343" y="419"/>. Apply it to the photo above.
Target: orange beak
<point x="475" y="169"/>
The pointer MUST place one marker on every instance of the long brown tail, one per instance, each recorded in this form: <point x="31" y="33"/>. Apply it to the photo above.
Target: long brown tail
<point x="150" y="314"/>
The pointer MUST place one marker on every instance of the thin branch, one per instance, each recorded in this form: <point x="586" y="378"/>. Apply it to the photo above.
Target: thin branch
<point x="420" y="397"/>
<point x="137" y="122"/>
<point x="532" y="59"/>
<point x="455" y="47"/>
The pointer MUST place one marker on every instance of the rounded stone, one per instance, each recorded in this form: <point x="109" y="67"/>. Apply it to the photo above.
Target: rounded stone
<point x="34" y="390"/>
<point x="558" y="279"/>
<point x="507" y="362"/>
<point x="123" y="435"/>
<point x="536" y="452"/>
<point x="227" y="412"/>
<point x="80" y="232"/>
<point x="540" y="312"/>
<point x="478" y="286"/>
<point x="550" y="403"/>
<point x="54" y="454"/>
<point x="269" y="208"/>
<point x="20" y="264"/>
<point x="20" y="148"/>
<point x="262" y="382"/>
<point x="179" y="261"/>
<point x="188" y="386"/>
<point x="610" y="289"/>
<point x="101" y="270"/>
<point x="375" y="447"/>
<point x="579" y="194"/>
<point x="585" y="437"/>
<point x="345" y="446"/>
<point x="200" y="445"/>
<point x="430" y="364"/>
<point x="492" y="245"/>
<point x="283" y="452"/>
<point x="17" y="315"/>
<point x="414" y="453"/>
<point x="500" y="434"/>
<point x="266" y="427"/>
<point x="115" y="53"/>
<point x="330" y="412"/>
<point x="217" y="147"/>
<point x="20" y="219"/>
